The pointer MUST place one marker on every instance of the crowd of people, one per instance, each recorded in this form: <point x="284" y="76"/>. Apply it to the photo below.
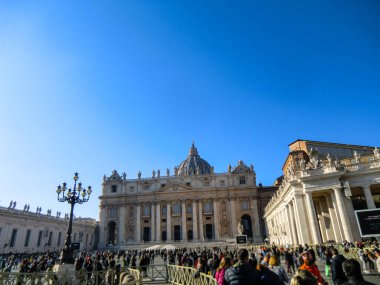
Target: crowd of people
<point x="250" y="265"/>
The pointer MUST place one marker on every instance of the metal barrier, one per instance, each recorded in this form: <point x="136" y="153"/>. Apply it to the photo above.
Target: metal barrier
<point x="181" y="275"/>
<point x="108" y="277"/>
<point x="155" y="274"/>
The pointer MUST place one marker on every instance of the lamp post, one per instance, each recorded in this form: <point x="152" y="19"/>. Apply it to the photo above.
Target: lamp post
<point x="72" y="197"/>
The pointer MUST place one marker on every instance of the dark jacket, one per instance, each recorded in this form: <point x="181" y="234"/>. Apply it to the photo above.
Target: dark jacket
<point x="268" y="277"/>
<point x="337" y="274"/>
<point x="241" y="274"/>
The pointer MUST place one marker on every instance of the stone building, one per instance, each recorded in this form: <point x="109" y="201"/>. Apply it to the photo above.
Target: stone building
<point x="322" y="186"/>
<point x="26" y="231"/>
<point x="193" y="204"/>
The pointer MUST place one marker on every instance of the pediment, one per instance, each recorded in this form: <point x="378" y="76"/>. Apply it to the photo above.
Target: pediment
<point x="174" y="187"/>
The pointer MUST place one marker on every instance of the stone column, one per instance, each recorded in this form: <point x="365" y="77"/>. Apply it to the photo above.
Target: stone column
<point x="153" y="223"/>
<point x="313" y="222"/>
<point x="158" y="224"/>
<point x="201" y="236"/>
<point x="296" y="222"/>
<point x="216" y="219"/>
<point x="368" y="197"/>
<point x="256" y="221"/>
<point x="333" y="211"/>
<point x="103" y="226"/>
<point x="290" y="234"/>
<point x="168" y="222"/>
<point x="233" y="217"/>
<point x="343" y="214"/>
<point x="183" y="221"/>
<point x="292" y="223"/>
<point x="195" y="223"/>
<point x="138" y="223"/>
<point x="121" y="225"/>
<point x="301" y="217"/>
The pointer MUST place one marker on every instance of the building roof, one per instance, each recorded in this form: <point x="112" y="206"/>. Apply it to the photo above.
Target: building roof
<point x="194" y="164"/>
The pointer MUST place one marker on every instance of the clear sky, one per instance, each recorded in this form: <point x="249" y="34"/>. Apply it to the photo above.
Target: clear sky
<point x="92" y="86"/>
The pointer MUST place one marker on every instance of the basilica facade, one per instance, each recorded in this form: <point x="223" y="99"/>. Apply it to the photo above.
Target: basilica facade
<point x="323" y="186"/>
<point x="194" y="204"/>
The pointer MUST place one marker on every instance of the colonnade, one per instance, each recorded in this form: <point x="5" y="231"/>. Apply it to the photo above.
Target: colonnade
<point x="315" y="217"/>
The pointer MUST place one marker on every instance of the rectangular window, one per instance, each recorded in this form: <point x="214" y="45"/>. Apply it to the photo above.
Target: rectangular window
<point x="176" y="209"/>
<point x="208" y="208"/>
<point x="189" y="209"/>
<point x="245" y="205"/>
<point x="91" y="240"/>
<point x="50" y="238"/>
<point x="113" y="188"/>
<point x="59" y="238"/>
<point x="132" y="188"/>
<point x="27" y="238"/>
<point x="164" y="212"/>
<point x="40" y="233"/>
<point x="13" y="238"/>
<point x="188" y="184"/>
<point x="112" y="213"/>
<point x="163" y="185"/>
<point x="242" y="180"/>
<point x="146" y="212"/>
<point x="222" y="183"/>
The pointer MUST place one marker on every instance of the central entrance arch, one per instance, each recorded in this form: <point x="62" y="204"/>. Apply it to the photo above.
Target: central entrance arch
<point x="246" y="221"/>
<point x="111" y="233"/>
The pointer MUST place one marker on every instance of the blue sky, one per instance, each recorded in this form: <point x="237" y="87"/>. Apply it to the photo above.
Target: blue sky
<point x="92" y="86"/>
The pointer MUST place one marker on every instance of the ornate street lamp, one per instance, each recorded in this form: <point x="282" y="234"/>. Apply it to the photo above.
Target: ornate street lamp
<point x="77" y="195"/>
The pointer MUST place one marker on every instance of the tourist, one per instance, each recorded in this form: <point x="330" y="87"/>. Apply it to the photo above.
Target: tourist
<point x="309" y="265"/>
<point x="304" y="277"/>
<point x="241" y="273"/>
<point x="354" y="274"/>
<point x="364" y="259"/>
<point x="337" y="274"/>
<point x="327" y="262"/>
<point x="375" y="257"/>
<point x="267" y="276"/>
<point x="225" y="263"/>
<point x="289" y="261"/>
<point x="369" y="257"/>
<point x="274" y="265"/>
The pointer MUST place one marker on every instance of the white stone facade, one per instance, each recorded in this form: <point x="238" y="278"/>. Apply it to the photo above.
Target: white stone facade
<point x="24" y="231"/>
<point x="318" y="196"/>
<point x="194" y="204"/>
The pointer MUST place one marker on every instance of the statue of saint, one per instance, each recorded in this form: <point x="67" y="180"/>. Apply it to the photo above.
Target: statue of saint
<point x="357" y="157"/>
<point x="158" y="173"/>
<point x="229" y="168"/>
<point x="124" y="176"/>
<point x="167" y="172"/>
<point x="329" y="159"/>
<point x="240" y="228"/>
<point x="139" y="174"/>
<point x="153" y="173"/>
<point x="376" y="153"/>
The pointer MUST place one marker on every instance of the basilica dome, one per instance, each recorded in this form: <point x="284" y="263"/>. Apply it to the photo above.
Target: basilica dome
<point x="194" y="164"/>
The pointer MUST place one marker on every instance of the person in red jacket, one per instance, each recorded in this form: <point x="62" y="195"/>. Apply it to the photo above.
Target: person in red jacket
<point x="309" y="265"/>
